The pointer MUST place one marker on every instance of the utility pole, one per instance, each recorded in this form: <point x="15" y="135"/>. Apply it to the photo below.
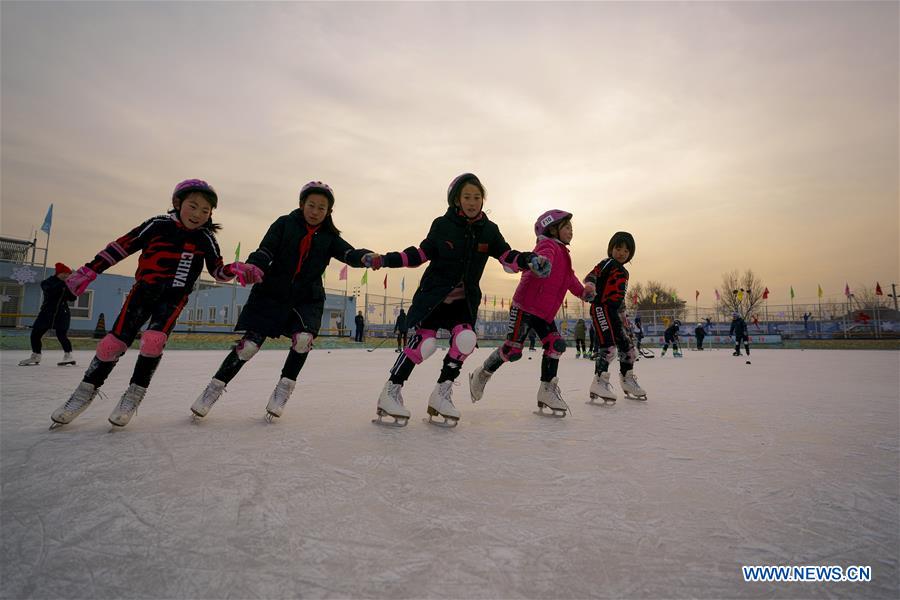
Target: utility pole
<point x="894" y="295"/>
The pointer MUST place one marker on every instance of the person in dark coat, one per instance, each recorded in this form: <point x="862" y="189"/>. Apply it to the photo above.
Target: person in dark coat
<point x="54" y="314"/>
<point x="400" y="329"/>
<point x="458" y="246"/>
<point x="699" y="333"/>
<point x="290" y="299"/>
<point x="670" y="336"/>
<point x="360" y="322"/>
<point x="738" y="332"/>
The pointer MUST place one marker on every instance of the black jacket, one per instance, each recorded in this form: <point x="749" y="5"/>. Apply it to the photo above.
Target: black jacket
<point x="400" y="325"/>
<point x="458" y="250"/>
<point x="56" y="298"/>
<point x="287" y="296"/>
<point x="738" y="327"/>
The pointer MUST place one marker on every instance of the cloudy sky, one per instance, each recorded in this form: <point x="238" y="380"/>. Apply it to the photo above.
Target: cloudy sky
<point x="722" y="135"/>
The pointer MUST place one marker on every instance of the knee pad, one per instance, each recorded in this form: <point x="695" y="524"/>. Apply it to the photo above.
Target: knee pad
<point x="628" y="357"/>
<point x="302" y="342"/>
<point x="607" y="354"/>
<point x="511" y="351"/>
<point x="152" y="343"/>
<point x="554" y="345"/>
<point x="462" y="342"/>
<point x="246" y="349"/>
<point x="423" y="345"/>
<point x="111" y="348"/>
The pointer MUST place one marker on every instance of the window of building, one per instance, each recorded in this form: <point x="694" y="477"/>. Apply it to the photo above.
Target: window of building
<point x="81" y="307"/>
<point x="224" y="314"/>
<point x="212" y="314"/>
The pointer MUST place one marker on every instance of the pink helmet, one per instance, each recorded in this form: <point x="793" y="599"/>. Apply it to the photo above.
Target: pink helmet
<point x="317" y="187"/>
<point x="549" y="218"/>
<point x="195" y="185"/>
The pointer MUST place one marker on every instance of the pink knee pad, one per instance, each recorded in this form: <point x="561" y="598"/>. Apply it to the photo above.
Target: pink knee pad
<point x="421" y="346"/>
<point x="152" y="343"/>
<point x="554" y="345"/>
<point x="302" y="342"/>
<point x="462" y="342"/>
<point x="111" y="348"/>
<point x="510" y="351"/>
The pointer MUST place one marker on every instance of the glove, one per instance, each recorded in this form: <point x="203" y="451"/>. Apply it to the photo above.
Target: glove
<point x="590" y="290"/>
<point x="373" y="261"/>
<point x="80" y="280"/>
<point x="246" y="273"/>
<point x="540" y="266"/>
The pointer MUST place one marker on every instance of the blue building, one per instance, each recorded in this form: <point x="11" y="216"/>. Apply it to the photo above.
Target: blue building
<point x="213" y="307"/>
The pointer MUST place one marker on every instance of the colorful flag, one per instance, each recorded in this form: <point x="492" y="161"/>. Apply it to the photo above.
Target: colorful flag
<point x="343" y="275"/>
<point x="654" y="298"/>
<point x="696" y="295"/>
<point x="48" y="220"/>
<point x="717" y="295"/>
<point x="847" y="289"/>
<point x="766" y="294"/>
<point x="501" y="302"/>
<point x="820" y="291"/>
<point x="740" y="295"/>
<point x="385" y="281"/>
<point x="495" y="301"/>
<point x="365" y="278"/>
<point x="878" y="291"/>
<point x="792" y="292"/>
<point x="237" y="252"/>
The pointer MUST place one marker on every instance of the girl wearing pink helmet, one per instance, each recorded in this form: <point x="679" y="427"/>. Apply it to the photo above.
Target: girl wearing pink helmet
<point x="534" y="307"/>
<point x="174" y="249"/>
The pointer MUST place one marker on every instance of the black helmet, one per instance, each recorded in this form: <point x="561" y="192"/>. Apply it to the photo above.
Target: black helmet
<point x="456" y="186"/>
<point x="677" y="323"/>
<point x="622" y="237"/>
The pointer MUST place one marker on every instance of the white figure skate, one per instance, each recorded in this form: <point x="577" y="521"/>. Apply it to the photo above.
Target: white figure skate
<point x="390" y="404"/>
<point x="441" y="404"/>
<point x="550" y="396"/>
<point x="601" y="389"/>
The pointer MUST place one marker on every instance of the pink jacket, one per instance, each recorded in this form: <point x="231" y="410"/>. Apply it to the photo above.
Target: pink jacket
<point x="543" y="297"/>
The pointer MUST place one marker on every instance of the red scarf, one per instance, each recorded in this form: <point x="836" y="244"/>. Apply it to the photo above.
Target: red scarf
<point x="305" y="243"/>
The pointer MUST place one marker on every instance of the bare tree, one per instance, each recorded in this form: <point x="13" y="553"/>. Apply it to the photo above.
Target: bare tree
<point x="864" y="298"/>
<point x="741" y="293"/>
<point x="655" y="295"/>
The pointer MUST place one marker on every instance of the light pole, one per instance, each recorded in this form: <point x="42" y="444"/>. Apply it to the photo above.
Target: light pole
<point x="894" y="294"/>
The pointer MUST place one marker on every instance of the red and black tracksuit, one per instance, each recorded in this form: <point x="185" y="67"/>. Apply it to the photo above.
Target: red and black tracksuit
<point x="611" y="280"/>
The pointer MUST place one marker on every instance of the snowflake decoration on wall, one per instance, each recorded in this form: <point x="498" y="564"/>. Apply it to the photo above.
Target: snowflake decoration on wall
<point x="24" y="275"/>
<point x="4" y="298"/>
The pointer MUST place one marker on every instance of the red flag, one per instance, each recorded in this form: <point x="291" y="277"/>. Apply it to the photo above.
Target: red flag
<point x="766" y="294"/>
<point x="717" y="294"/>
<point x="343" y="275"/>
<point x="696" y="295"/>
<point x="501" y="302"/>
<point x="847" y="289"/>
<point x="878" y="291"/>
<point x="385" y="281"/>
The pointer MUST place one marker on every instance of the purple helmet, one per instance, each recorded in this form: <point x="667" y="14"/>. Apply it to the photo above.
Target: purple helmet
<point x="551" y="217"/>
<point x="195" y="185"/>
<point x="317" y="187"/>
<point x="456" y="186"/>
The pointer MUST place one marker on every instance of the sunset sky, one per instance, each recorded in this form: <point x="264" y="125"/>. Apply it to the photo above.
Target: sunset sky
<point x="722" y="135"/>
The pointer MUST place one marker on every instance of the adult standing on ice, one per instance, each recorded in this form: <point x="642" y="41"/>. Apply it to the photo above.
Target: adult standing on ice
<point x="290" y="300"/>
<point x="54" y="314"/>
<point x="457" y="246"/>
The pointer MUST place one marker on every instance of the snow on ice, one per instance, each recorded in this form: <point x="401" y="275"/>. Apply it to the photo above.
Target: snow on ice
<point x="792" y="460"/>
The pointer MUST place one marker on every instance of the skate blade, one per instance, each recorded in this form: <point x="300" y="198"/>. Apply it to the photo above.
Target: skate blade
<point x="56" y="425"/>
<point x="270" y="417"/>
<point x="558" y="413"/>
<point x="447" y="423"/>
<point x="397" y="422"/>
<point x="602" y="401"/>
<point x="70" y="363"/>
<point x="29" y="364"/>
<point x="633" y="397"/>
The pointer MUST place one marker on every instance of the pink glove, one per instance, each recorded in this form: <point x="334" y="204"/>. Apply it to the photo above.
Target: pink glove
<point x="246" y="273"/>
<point x="590" y="290"/>
<point x="80" y="280"/>
<point x="373" y="261"/>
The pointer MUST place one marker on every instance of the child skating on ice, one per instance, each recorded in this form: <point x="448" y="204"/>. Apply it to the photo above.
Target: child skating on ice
<point x="174" y="249"/>
<point x="458" y="246"/>
<point x="670" y="336"/>
<point x="610" y="278"/>
<point x="533" y="309"/>
<point x="290" y="300"/>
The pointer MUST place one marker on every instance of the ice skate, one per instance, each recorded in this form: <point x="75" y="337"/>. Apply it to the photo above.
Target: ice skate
<point x="602" y="390"/>
<point x="279" y="398"/>
<point x="735" y="353"/>
<point x="550" y="396"/>
<point x="390" y="404"/>
<point x="209" y="397"/>
<point x="80" y="399"/>
<point x="663" y="353"/>
<point x="128" y="405"/>
<point x="441" y="404"/>
<point x="677" y="354"/>
<point x="631" y="387"/>
<point x="68" y="360"/>
<point x="34" y="359"/>
<point x="477" y="380"/>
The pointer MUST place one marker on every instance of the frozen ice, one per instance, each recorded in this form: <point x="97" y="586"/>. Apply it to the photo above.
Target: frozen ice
<point x="792" y="460"/>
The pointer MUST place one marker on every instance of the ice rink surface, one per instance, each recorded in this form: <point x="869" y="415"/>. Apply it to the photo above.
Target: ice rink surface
<point x="792" y="460"/>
